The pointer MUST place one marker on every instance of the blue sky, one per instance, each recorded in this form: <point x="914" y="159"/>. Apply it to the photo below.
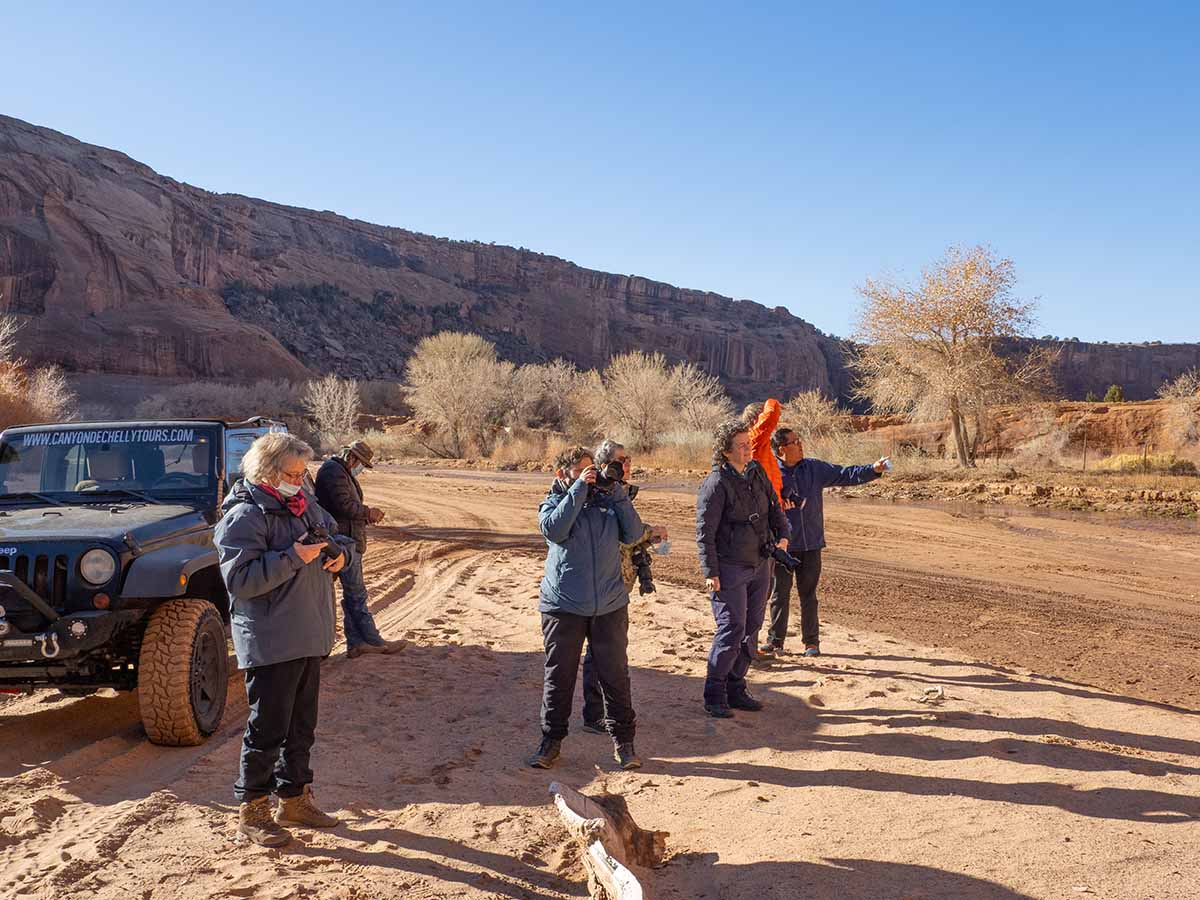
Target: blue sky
<point x="780" y="153"/>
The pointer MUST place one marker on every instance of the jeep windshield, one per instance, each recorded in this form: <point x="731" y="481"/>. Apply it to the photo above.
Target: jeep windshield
<point x="140" y="463"/>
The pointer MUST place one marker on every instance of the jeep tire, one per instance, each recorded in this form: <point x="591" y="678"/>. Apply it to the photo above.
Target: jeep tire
<point x="183" y="673"/>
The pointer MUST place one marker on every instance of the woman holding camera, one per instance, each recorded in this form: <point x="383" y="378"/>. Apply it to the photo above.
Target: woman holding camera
<point x="277" y="562"/>
<point x="739" y="523"/>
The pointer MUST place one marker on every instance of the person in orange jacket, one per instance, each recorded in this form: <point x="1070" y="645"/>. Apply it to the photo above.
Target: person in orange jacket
<point x="762" y="419"/>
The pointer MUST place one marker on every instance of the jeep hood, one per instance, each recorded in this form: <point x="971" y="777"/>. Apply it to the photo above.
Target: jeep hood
<point x="103" y="522"/>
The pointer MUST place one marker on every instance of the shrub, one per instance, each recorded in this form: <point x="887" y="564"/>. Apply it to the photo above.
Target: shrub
<point x="1114" y="394"/>
<point x="382" y="398"/>
<point x="813" y="416"/>
<point x="460" y="390"/>
<point x="333" y="404"/>
<point x="277" y="398"/>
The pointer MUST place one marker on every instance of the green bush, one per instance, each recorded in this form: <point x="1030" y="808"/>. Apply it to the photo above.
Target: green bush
<point x="1114" y="394"/>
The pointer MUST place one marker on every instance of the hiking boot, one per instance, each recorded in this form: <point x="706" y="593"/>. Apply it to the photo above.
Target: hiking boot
<point x="362" y="649"/>
<point x="303" y="811"/>
<point x="388" y="647"/>
<point x="744" y="701"/>
<point x="718" y="710"/>
<point x="812" y="650"/>
<point x="768" y="649"/>
<point x="256" y="826"/>
<point x="546" y="754"/>
<point x="626" y="756"/>
<point x="593" y="727"/>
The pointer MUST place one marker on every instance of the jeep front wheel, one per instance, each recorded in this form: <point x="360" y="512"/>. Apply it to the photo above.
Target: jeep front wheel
<point x="183" y="673"/>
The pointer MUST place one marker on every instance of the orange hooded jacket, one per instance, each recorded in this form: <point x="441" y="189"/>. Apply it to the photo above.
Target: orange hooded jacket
<point x="760" y="443"/>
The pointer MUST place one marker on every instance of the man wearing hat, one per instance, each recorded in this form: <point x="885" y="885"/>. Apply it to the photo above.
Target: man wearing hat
<point x="340" y="495"/>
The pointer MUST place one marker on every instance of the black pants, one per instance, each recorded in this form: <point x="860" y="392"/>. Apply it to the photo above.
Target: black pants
<point x="805" y="578"/>
<point x="738" y="609"/>
<point x="593" y="697"/>
<point x="281" y="729"/>
<point x="608" y="638"/>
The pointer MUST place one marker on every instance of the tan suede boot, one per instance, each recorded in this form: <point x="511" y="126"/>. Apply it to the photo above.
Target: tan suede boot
<point x="303" y="811"/>
<point x="256" y="825"/>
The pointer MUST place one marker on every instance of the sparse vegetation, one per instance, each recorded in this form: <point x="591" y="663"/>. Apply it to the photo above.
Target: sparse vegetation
<point x="333" y="403"/>
<point x="1114" y="394"/>
<point x="30" y="394"/>
<point x="812" y="416"/>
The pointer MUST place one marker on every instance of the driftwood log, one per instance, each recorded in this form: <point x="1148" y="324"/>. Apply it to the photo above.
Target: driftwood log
<point x="616" y="852"/>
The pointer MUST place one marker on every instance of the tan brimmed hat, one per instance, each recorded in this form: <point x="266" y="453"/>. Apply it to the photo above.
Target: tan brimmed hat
<point x="362" y="451"/>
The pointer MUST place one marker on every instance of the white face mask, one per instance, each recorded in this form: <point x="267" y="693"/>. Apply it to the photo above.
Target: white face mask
<point x="357" y="469"/>
<point x="287" y="489"/>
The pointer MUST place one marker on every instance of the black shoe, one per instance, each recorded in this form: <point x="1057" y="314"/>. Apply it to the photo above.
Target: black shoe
<point x="594" y="727"/>
<point x="546" y="755"/>
<point x="718" y="710"/>
<point x="745" y="701"/>
<point x="626" y="756"/>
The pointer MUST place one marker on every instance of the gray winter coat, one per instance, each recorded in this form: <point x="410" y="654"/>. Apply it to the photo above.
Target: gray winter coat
<point x="583" y="557"/>
<point x="281" y="609"/>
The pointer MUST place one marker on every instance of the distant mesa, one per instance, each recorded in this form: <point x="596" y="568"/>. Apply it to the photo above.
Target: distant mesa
<point x="121" y="270"/>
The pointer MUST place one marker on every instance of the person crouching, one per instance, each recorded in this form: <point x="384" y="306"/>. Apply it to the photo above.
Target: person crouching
<point x="583" y="597"/>
<point x="281" y="601"/>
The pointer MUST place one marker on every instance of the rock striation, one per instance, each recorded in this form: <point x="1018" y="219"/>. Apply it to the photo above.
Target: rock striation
<point x="118" y="269"/>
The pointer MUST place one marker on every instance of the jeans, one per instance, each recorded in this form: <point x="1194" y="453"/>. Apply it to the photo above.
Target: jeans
<point x="608" y="637"/>
<point x="280" y="730"/>
<point x="357" y="620"/>
<point x="805" y="578"/>
<point x="738" y="608"/>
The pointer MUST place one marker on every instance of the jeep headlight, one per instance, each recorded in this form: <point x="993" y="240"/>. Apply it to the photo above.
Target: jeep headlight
<point x="97" y="566"/>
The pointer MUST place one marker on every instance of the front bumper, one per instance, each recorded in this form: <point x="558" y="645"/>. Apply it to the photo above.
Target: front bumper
<point x="71" y="635"/>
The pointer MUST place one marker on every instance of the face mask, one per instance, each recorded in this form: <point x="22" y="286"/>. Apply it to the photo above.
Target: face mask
<point x="356" y="469"/>
<point x="287" y="489"/>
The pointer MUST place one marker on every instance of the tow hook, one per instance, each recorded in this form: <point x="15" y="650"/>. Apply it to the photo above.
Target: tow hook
<point x="49" y="639"/>
<point x="5" y="627"/>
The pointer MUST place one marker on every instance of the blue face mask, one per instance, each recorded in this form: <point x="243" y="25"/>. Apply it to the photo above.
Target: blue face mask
<point x="357" y="469"/>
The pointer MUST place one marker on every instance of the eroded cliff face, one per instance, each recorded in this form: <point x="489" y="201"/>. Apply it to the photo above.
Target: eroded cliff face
<point x="122" y="270"/>
<point x="118" y="269"/>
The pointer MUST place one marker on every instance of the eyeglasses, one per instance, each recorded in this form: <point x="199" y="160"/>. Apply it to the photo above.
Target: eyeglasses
<point x="295" y="476"/>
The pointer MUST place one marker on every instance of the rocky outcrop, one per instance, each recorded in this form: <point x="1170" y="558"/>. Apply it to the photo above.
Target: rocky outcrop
<point x="118" y="269"/>
<point x="121" y="270"/>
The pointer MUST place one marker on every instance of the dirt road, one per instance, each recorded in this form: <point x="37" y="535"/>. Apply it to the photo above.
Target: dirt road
<point x="1081" y="780"/>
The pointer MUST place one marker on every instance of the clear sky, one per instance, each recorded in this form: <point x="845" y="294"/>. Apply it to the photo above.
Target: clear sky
<point x="777" y="152"/>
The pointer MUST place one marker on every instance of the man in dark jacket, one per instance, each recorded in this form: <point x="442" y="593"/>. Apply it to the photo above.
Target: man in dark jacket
<point x="738" y="520"/>
<point x="338" y="491"/>
<point x="804" y="483"/>
<point x="583" y="597"/>
<point x="281" y="615"/>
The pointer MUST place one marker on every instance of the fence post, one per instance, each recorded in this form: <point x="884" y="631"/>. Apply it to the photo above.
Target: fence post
<point x="1085" y="451"/>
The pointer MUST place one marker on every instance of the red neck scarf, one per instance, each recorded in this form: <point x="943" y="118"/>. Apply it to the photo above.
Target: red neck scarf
<point x="296" y="503"/>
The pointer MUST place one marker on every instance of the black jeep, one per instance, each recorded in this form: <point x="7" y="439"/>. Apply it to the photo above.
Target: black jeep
<point x="108" y="575"/>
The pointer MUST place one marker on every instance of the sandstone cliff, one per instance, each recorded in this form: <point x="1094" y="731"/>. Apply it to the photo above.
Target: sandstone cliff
<point x="122" y="270"/>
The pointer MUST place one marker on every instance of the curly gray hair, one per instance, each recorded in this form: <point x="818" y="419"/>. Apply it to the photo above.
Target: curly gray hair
<point x="723" y="439"/>
<point x="267" y="456"/>
<point x="606" y="452"/>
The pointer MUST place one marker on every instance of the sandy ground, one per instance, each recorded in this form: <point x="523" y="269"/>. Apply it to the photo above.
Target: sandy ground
<point x="1064" y="761"/>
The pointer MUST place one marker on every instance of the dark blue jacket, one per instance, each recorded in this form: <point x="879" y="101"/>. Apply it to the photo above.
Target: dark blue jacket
<point x="804" y="485"/>
<point x="583" y="557"/>
<point x="282" y="608"/>
<point x="724" y="506"/>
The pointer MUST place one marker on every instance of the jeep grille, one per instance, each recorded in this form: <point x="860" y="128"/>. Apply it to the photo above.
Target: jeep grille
<point x="46" y="575"/>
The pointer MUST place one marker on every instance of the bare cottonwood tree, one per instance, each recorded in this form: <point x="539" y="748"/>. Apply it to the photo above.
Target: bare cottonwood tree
<point x="1183" y="405"/>
<point x="930" y="350"/>
<point x="49" y="395"/>
<point x="27" y="394"/>
<point x="699" y="399"/>
<point x="333" y="404"/>
<point x="812" y="415"/>
<point x="458" y="388"/>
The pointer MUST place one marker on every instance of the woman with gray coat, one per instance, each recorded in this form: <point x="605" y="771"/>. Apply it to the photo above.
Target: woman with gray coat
<point x="279" y="577"/>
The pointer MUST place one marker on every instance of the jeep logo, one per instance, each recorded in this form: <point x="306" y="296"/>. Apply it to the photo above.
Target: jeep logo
<point x="8" y="551"/>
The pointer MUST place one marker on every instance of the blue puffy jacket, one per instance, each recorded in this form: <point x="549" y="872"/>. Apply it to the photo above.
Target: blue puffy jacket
<point x="804" y="485"/>
<point x="583" y="558"/>
<point x="282" y="609"/>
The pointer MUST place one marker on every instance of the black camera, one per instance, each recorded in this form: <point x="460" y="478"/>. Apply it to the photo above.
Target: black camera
<point x="609" y="477"/>
<point x="331" y="549"/>
<point x="645" y="575"/>
<point x="782" y="557"/>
